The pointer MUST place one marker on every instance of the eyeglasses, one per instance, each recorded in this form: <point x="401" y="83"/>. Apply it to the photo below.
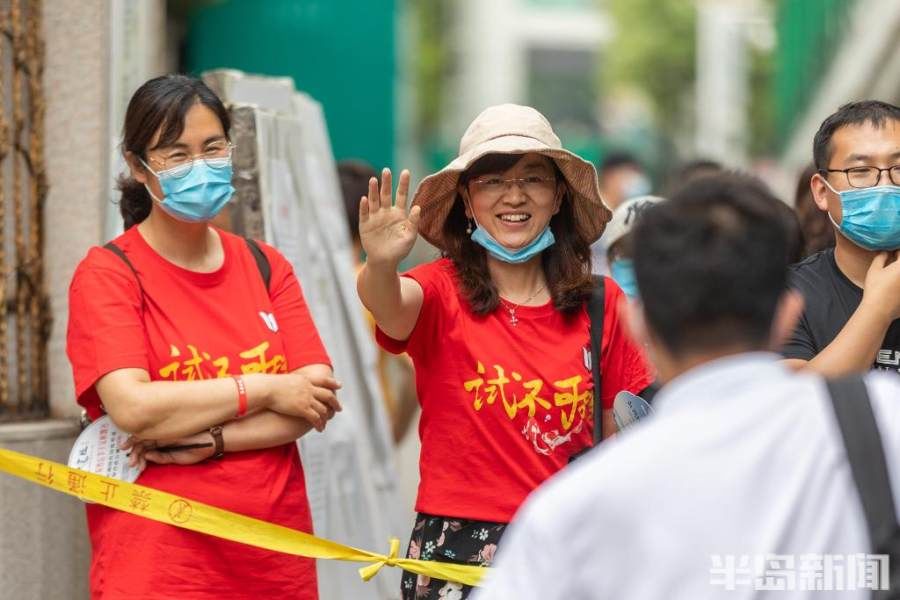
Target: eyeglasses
<point x="863" y="177"/>
<point x="179" y="164"/>
<point x="497" y="186"/>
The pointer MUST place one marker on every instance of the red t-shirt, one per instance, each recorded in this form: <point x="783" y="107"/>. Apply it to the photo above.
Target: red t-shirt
<point x="194" y="326"/>
<point x="503" y="406"/>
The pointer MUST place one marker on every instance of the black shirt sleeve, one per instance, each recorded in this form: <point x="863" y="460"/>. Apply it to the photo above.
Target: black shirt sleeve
<point x="800" y="344"/>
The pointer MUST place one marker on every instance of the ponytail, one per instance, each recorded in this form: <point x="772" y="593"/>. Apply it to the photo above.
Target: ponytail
<point x="135" y="203"/>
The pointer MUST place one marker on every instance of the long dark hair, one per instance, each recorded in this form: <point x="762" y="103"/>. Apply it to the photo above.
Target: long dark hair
<point x="567" y="263"/>
<point x="159" y="105"/>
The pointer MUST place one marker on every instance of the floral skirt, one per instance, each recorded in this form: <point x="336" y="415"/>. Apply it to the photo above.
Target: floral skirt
<point x="445" y="539"/>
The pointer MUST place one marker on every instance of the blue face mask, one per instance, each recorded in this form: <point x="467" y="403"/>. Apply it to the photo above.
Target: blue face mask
<point x="198" y="196"/>
<point x="481" y="237"/>
<point x="622" y="270"/>
<point x="871" y="216"/>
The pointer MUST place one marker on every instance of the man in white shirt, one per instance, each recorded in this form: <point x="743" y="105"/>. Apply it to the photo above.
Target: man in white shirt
<point x="739" y="485"/>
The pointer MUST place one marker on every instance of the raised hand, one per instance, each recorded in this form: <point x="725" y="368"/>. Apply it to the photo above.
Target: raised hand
<point x="387" y="233"/>
<point x="882" y="284"/>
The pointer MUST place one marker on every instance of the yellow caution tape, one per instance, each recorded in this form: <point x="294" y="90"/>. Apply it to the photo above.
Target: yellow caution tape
<point x="196" y="516"/>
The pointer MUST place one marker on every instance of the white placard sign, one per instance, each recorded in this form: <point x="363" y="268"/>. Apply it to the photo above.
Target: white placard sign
<point x="97" y="450"/>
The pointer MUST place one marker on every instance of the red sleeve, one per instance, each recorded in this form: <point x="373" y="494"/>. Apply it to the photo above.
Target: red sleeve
<point x="302" y="343"/>
<point x="105" y="330"/>
<point x="436" y="280"/>
<point x="624" y="365"/>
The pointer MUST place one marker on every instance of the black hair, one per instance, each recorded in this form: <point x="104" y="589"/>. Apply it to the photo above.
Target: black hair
<point x="712" y="264"/>
<point x="566" y="263"/>
<point x="354" y="176"/>
<point x="875" y="112"/>
<point x="615" y="160"/>
<point x="160" y="104"/>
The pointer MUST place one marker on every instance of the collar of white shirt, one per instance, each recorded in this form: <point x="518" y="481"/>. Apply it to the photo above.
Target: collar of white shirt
<point x="719" y="378"/>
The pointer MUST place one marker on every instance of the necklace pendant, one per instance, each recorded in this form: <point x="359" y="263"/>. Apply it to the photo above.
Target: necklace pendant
<point x="513" y="320"/>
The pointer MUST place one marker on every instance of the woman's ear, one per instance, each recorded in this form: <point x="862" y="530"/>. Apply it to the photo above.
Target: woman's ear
<point x="467" y="202"/>
<point x="138" y="171"/>
<point x="561" y="190"/>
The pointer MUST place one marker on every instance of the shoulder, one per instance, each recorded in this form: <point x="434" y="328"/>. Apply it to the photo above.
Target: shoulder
<point x="243" y="247"/>
<point x="102" y="264"/>
<point x="582" y="486"/>
<point x="812" y="270"/>
<point x="437" y="273"/>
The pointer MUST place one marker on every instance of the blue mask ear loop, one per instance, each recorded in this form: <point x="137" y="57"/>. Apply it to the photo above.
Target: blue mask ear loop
<point x="147" y="187"/>
<point x="828" y="212"/>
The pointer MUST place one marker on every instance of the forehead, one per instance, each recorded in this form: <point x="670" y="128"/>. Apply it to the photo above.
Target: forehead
<point x="201" y="124"/>
<point x="533" y="161"/>
<point x="862" y="142"/>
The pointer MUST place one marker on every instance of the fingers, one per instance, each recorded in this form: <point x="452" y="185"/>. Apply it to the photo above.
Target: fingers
<point x="363" y="210"/>
<point x="326" y="397"/>
<point x="373" y="198"/>
<point x="403" y="190"/>
<point x="325" y="381"/>
<point x="893" y="257"/>
<point x="414" y="216"/>
<point x="316" y="419"/>
<point x="387" y="186"/>
<point x="161" y="458"/>
<point x="880" y="260"/>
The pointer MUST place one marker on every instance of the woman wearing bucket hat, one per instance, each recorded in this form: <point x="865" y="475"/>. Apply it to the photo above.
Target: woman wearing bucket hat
<point x="497" y="328"/>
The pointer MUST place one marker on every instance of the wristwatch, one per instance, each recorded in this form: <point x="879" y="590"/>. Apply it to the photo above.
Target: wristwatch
<point x="216" y="433"/>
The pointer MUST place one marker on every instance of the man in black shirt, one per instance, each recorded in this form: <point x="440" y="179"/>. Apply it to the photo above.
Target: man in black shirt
<point x="851" y="321"/>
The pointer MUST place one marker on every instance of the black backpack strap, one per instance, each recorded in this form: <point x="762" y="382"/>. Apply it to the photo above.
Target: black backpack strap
<point x="262" y="262"/>
<point x="121" y="254"/>
<point x="865" y="452"/>
<point x="595" y="307"/>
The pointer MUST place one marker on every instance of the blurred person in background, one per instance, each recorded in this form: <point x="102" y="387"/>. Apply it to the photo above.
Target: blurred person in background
<point x="619" y="242"/>
<point x="174" y="334"/>
<point x="621" y="177"/>
<point x="497" y="329"/>
<point x="796" y="237"/>
<point x="395" y="372"/>
<point x="851" y="322"/>
<point x="763" y="474"/>
<point x="689" y="171"/>
<point x="818" y="232"/>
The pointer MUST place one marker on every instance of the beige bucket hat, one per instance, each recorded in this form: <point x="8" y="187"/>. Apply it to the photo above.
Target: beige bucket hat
<point x="511" y="129"/>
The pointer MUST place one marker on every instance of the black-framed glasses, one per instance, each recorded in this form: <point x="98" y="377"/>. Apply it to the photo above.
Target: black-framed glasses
<point x="863" y="177"/>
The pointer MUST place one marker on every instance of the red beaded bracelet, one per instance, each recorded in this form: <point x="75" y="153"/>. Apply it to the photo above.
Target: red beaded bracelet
<point x="242" y="395"/>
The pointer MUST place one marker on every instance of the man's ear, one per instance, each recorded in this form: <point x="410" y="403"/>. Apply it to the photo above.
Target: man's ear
<point x="820" y="191"/>
<point x="635" y="323"/>
<point x="138" y="171"/>
<point x="787" y="315"/>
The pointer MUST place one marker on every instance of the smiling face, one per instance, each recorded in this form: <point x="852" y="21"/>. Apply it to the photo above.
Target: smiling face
<point x="515" y="212"/>
<point x="203" y="136"/>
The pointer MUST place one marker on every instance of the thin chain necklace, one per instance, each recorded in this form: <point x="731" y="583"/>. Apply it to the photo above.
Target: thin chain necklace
<point x="511" y="308"/>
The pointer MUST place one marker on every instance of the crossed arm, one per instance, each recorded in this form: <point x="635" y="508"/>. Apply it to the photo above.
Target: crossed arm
<point x="281" y="408"/>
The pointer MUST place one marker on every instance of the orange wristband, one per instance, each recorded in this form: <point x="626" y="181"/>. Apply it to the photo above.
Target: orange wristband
<point x="242" y="395"/>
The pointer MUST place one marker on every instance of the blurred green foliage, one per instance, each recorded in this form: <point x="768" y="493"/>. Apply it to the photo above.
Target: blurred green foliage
<point x="653" y="49"/>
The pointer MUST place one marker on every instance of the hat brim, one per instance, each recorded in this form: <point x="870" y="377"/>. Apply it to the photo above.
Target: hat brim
<point x="436" y="193"/>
